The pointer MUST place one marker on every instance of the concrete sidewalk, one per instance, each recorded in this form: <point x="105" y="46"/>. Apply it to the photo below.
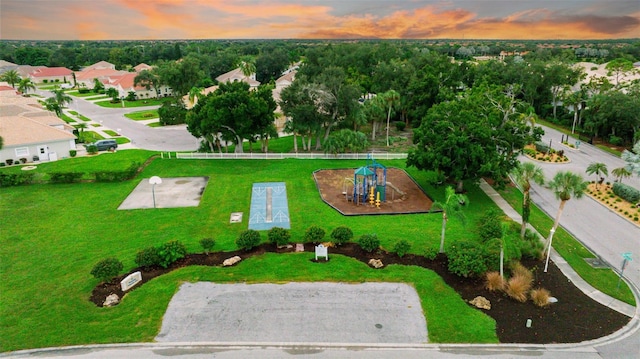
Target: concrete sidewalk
<point x="562" y="264"/>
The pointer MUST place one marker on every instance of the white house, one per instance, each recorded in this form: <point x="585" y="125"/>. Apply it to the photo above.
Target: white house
<point x="30" y="132"/>
<point x="237" y="75"/>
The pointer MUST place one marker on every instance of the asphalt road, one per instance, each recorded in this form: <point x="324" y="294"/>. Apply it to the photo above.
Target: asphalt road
<point x="169" y="138"/>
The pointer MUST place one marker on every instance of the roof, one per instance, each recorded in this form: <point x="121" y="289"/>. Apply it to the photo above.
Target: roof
<point x="125" y="81"/>
<point x="363" y="171"/>
<point x="100" y="65"/>
<point x="24" y="122"/>
<point x="142" y="66"/>
<point x="91" y="74"/>
<point x="51" y="71"/>
<point x="237" y="75"/>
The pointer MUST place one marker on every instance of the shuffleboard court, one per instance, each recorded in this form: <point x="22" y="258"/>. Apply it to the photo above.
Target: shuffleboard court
<point x="269" y="206"/>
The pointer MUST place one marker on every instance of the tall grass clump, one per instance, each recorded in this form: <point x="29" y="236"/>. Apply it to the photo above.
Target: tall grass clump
<point x="494" y="281"/>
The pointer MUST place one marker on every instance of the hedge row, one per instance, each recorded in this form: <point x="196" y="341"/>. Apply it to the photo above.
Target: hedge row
<point x="626" y="192"/>
<point x="17" y="179"/>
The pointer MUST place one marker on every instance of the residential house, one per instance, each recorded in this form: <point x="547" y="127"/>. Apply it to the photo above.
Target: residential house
<point x="51" y="74"/>
<point x="282" y="82"/>
<point x="189" y="104"/>
<point x="86" y="77"/>
<point x="100" y="65"/>
<point x="237" y="75"/>
<point x="31" y="133"/>
<point x="125" y="83"/>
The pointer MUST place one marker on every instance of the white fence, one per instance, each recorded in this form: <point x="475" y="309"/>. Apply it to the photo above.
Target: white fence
<point x="280" y="156"/>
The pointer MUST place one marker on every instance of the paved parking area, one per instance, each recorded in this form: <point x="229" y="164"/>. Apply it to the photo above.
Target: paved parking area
<point x="295" y="312"/>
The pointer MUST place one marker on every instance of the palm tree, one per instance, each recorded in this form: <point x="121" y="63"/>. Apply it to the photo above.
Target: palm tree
<point x="97" y="85"/>
<point x="522" y="176"/>
<point x="194" y="93"/>
<point x="247" y="66"/>
<point x="452" y="205"/>
<point x="81" y="127"/>
<point x="149" y="79"/>
<point x="391" y="97"/>
<point x="25" y="85"/>
<point x="12" y="77"/>
<point x="620" y="173"/>
<point x="51" y="105"/>
<point x="565" y="184"/>
<point x="599" y="169"/>
<point x="61" y="97"/>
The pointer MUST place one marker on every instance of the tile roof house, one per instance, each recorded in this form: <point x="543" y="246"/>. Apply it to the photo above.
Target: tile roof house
<point x="32" y="133"/>
<point x="51" y="74"/>
<point x="86" y="77"/>
<point x="101" y="65"/>
<point x="188" y="104"/>
<point x="124" y="83"/>
<point x="237" y="75"/>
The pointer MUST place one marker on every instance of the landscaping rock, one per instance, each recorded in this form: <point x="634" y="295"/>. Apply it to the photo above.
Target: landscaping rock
<point x="231" y="261"/>
<point x="376" y="263"/>
<point x="552" y="300"/>
<point x="481" y="302"/>
<point x="111" y="300"/>
<point x="299" y="247"/>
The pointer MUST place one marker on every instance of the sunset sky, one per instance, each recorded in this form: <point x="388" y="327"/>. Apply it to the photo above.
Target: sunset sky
<point x="318" y="19"/>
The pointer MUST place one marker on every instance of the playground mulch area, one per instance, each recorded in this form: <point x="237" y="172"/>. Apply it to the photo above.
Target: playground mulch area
<point x="574" y="318"/>
<point x="331" y="184"/>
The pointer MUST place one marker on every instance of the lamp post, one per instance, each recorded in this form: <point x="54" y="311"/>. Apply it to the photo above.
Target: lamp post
<point x="154" y="180"/>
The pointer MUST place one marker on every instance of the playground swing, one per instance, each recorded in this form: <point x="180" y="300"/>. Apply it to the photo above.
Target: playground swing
<point x="346" y="184"/>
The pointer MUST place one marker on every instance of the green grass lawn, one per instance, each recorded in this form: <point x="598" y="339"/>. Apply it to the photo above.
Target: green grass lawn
<point x="111" y="133"/>
<point x="129" y="104"/>
<point x="54" y="235"/>
<point x="572" y="250"/>
<point x="45" y="263"/>
<point x="143" y="115"/>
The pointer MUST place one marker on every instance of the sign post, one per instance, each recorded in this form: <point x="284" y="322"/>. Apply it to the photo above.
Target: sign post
<point x="626" y="258"/>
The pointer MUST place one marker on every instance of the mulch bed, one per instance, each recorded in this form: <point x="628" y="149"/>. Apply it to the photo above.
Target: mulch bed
<point x="575" y="318"/>
<point x="331" y="184"/>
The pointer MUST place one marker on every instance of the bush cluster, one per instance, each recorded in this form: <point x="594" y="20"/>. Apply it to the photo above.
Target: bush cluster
<point x="106" y="269"/>
<point x="207" y="244"/>
<point x="171" y="252"/>
<point x="467" y="259"/>
<point x="490" y="225"/>
<point x="148" y="257"/>
<point x="626" y="192"/>
<point x="541" y="146"/>
<point x="402" y="247"/>
<point x="117" y="176"/>
<point x="369" y="242"/>
<point x="279" y="236"/>
<point x="248" y="239"/>
<point x="16" y="179"/>
<point x="314" y="234"/>
<point x="65" y="177"/>
<point x="341" y="235"/>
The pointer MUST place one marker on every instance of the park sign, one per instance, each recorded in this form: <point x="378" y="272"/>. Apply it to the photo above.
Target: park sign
<point x="130" y="281"/>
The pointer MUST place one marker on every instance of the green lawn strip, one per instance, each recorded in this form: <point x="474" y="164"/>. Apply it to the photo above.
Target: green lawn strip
<point x="66" y="118"/>
<point x="75" y="113"/>
<point x="96" y="125"/>
<point x="129" y="104"/>
<point x="122" y="140"/>
<point x="143" y="115"/>
<point x="154" y="124"/>
<point x="49" y="282"/>
<point x="82" y="95"/>
<point x="91" y="136"/>
<point x="84" y="118"/>
<point x="604" y="280"/>
<point x="111" y="133"/>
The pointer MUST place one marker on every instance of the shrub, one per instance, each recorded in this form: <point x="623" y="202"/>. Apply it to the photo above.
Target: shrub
<point x="83" y="90"/>
<point x="341" y="235"/>
<point x="248" y="239"/>
<point x="106" y="269"/>
<point x="431" y="253"/>
<point x="279" y="236"/>
<point x="542" y="147"/>
<point x="494" y="281"/>
<point x="529" y="152"/>
<point x="490" y="225"/>
<point x="73" y="153"/>
<point x="64" y="177"/>
<point x="16" y="179"/>
<point x="92" y="149"/>
<point x="117" y="176"/>
<point x="171" y="252"/>
<point x="400" y="126"/>
<point x="467" y="259"/>
<point x="23" y="160"/>
<point x="626" y="192"/>
<point x="9" y="161"/>
<point x="401" y="247"/>
<point x="517" y="269"/>
<point x="540" y="297"/>
<point x="369" y="242"/>
<point x="207" y="244"/>
<point x="615" y="140"/>
<point x="518" y="287"/>
<point x="148" y="257"/>
<point x="314" y="234"/>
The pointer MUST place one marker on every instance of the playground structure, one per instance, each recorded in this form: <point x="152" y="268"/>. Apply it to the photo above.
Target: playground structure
<point x="402" y="194"/>
<point x="369" y="185"/>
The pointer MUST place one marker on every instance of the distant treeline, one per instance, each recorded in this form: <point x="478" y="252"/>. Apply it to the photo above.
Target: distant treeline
<point x="125" y="54"/>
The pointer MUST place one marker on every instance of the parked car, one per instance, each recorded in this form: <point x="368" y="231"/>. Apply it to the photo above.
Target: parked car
<point x="103" y="145"/>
